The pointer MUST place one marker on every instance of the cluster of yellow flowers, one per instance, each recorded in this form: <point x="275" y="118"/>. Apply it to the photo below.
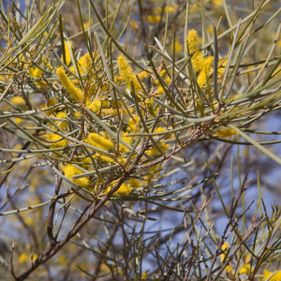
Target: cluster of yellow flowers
<point x="111" y="145"/>
<point x="202" y="65"/>
<point x="246" y="268"/>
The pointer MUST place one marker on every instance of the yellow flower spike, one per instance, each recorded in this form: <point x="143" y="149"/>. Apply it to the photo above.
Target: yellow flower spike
<point x="34" y="257"/>
<point x="203" y="76"/>
<point x="67" y="48"/>
<point x="126" y="73"/>
<point x="87" y="24"/>
<point x="17" y="100"/>
<point x="217" y="3"/>
<point x="127" y="139"/>
<point x="99" y="141"/>
<point x="134" y="123"/>
<point x="35" y="72"/>
<point x="84" y="64"/>
<point x="143" y="74"/>
<point x="245" y="269"/>
<point x="225" y="132"/>
<point x="224" y="248"/>
<point x="193" y="41"/>
<point x="148" y="102"/>
<point x="76" y="93"/>
<point x="170" y="8"/>
<point x="61" y="114"/>
<point x="202" y="79"/>
<point x="229" y="269"/>
<point x="105" y="103"/>
<point x="144" y="276"/>
<point x="23" y="258"/>
<point x="62" y="124"/>
<point x="271" y="276"/>
<point x="77" y="114"/>
<point x="70" y="171"/>
<point x="248" y="258"/>
<point x="18" y="120"/>
<point x="56" y="141"/>
<point x="134" y="24"/>
<point x="94" y="106"/>
<point x="167" y="9"/>
<point x="104" y="158"/>
<point x="154" y="151"/>
<point x="124" y="190"/>
<point x="52" y="101"/>
<point x="135" y="183"/>
<point x="197" y="61"/>
<point x="159" y="91"/>
<point x="153" y="19"/>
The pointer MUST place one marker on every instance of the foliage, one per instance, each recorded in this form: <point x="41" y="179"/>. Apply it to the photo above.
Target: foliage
<point x="137" y="139"/>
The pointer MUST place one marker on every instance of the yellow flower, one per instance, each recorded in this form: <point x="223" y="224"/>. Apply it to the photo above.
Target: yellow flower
<point x="135" y="183"/>
<point x="134" y="123"/>
<point x="87" y="24"/>
<point x="197" y="61"/>
<point x="153" y="19"/>
<point x="217" y="3"/>
<point x="159" y="130"/>
<point x="18" y="120"/>
<point x="225" y="248"/>
<point x="62" y="124"/>
<point x="167" y="9"/>
<point x="70" y="171"/>
<point x="104" y="158"/>
<point x="143" y="74"/>
<point x="170" y="8"/>
<point x="23" y="258"/>
<point x="159" y="91"/>
<point x="271" y="276"/>
<point x="35" y="72"/>
<point x="206" y="68"/>
<point x="77" y="114"/>
<point x="225" y="132"/>
<point x="126" y="73"/>
<point x="17" y="100"/>
<point x="56" y="140"/>
<point x="67" y="47"/>
<point x="85" y="63"/>
<point x="95" y="105"/>
<point x="202" y="79"/>
<point x="134" y="24"/>
<point x="61" y="115"/>
<point x="193" y="41"/>
<point x="76" y="93"/>
<point x="154" y="151"/>
<point x="99" y="141"/>
<point x="124" y="190"/>
<point x="245" y="269"/>
<point x="144" y="276"/>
